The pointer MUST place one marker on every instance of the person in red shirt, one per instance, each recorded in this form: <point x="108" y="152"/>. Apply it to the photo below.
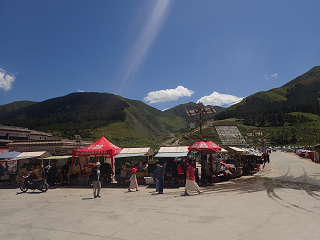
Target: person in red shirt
<point x="180" y="174"/>
<point x="191" y="184"/>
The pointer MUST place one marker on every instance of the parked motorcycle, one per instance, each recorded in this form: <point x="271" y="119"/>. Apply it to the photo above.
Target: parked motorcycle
<point x="29" y="183"/>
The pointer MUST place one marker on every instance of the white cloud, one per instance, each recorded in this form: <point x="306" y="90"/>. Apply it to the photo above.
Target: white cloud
<point x="6" y="80"/>
<point x="218" y="99"/>
<point x="80" y="90"/>
<point x="272" y="75"/>
<point x="168" y="95"/>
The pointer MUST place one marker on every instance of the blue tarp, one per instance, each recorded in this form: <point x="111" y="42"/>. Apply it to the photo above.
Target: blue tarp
<point x="9" y="155"/>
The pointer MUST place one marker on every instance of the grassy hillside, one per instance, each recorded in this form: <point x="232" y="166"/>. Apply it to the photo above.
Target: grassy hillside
<point x="271" y="108"/>
<point x="285" y="115"/>
<point x="181" y="109"/>
<point x="14" y="106"/>
<point x="92" y="115"/>
<point x="306" y="134"/>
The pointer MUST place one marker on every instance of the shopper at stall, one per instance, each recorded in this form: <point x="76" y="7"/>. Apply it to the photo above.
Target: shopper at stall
<point x="174" y="171"/>
<point x="96" y="178"/>
<point x="155" y="177"/>
<point x="53" y="173"/>
<point x="65" y="171"/>
<point x="133" y="181"/>
<point x="160" y="176"/>
<point x="191" y="184"/>
<point x="180" y="174"/>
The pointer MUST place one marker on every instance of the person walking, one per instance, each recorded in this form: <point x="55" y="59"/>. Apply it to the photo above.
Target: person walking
<point x="96" y="178"/>
<point x="160" y="176"/>
<point x="133" y="181"/>
<point x="155" y="177"/>
<point x="191" y="184"/>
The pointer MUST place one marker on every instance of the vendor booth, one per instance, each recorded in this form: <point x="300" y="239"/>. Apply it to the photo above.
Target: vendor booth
<point x="30" y="163"/>
<point x="83" y="160"/>
<point x="172" y="152"/>
<point x="139" y="158"/>
<point x="60" y="162"/>
<point x="172" y="155"/>
<point x="8" y="167"/>
<point x="204" y="148"/>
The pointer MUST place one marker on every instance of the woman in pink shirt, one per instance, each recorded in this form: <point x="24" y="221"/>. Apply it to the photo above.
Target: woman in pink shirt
<point x="191" y="184"/>
<point x="180" y="174"/>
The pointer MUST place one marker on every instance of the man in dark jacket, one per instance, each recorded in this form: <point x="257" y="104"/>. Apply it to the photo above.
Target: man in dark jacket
<point x="53" y="173"/>
<point x="160" y="176"/>
<point x="65" y="171"/>
<point x="96" y="178"/>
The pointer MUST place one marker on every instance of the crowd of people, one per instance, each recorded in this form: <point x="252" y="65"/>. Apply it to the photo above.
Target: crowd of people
<point x="186" y="172"/>
<point x="50" y="173"/>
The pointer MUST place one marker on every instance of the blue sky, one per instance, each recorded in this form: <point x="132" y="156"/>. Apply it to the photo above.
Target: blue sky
<point x="161" y="52"/>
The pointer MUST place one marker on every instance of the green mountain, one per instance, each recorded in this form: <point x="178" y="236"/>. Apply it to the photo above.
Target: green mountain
<point x="14" y="106"/>
<point x="273" y="107"/>
<point x="181" y="109"/>
<point x="94" y="114"/>
<point x="286" y="115"/>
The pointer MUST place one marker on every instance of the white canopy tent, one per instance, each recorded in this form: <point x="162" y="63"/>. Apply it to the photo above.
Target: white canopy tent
<point x="177" y="151"/>
<point x="135" y="152"/>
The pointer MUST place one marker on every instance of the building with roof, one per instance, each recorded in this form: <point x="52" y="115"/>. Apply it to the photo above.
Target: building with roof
<point x="19" y="133"/>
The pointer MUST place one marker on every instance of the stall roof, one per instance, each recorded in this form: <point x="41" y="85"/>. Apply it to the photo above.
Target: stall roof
<point x="58" y="157"/>
<point x="42" y="154"/>
<point x="172" y="154"/>
<point x="173" y="149"/>
<point x="258" y="154"/>
<point x="238" y="150"/>
<point x="177" y="151"/>
<point x="222" y="151"/>
<point x="9" y="155"/>
<point x="135" y="152"/>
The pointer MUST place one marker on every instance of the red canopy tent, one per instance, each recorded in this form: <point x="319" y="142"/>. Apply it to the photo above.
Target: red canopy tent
<point x="204" y="146"/>
<point x="99" y="148"/>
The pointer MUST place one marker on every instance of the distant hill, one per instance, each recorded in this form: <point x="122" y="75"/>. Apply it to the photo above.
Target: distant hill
<point x="84" y="113"/>
<point x="14" y="106"/>
<point x="181" y="109"/>
<point x="288" y="115"/>
<point x="273" y="107"/>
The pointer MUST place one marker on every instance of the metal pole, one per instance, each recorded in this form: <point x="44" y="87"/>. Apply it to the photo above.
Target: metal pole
<point x="200" y="125"/>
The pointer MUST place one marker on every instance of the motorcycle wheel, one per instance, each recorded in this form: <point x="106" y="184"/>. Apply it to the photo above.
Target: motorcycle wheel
<point x="23" y="188"/>
<point x="43" y="187"/>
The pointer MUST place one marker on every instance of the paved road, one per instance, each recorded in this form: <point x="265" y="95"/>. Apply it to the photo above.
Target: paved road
<point x="280" y="202"/>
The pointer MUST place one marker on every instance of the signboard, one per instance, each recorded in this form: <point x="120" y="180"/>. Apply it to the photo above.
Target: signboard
<point x="254" y="134"/>
<point x="63" y="151"/>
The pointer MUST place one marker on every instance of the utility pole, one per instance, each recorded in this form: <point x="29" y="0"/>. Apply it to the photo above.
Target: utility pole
<point x="200" y="109"/>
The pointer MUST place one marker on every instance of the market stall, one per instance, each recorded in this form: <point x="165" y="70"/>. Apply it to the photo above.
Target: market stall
<point x="61" y="161"/>
<point x="139" y="158"/>
<point x="83" y="160"/>
<point x="236" y="153"/>
<point x="172" y="155"/>
<point x="8" y="167"/>
<point x="30" y="162"/>
<point x="204" y="147"/>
